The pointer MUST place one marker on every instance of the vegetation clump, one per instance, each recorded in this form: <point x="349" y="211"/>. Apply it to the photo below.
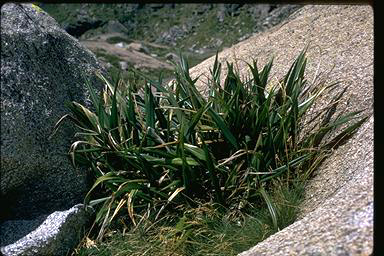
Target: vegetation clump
<point x="160" y="155"/>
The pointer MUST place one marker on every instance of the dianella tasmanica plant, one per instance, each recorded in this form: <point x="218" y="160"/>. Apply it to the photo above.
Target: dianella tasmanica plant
<point x="155" y="148"/>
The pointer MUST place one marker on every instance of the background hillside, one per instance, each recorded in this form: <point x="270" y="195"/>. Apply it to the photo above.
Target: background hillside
<point x="149" y="36"/>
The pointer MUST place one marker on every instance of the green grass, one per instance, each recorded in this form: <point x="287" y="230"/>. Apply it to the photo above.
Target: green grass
<point x="195" y="167"/>
<point x="112" y="59"/>
<point x="150" y="24"/>
<point x="200" y="231"/>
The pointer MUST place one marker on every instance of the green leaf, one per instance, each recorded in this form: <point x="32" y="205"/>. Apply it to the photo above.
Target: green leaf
<point x="293" y="163"/>
<point x="84" y="116"/>
<point x="184" y="164"/>
<point x="196" y="118"/>
<point x="264" y="76"/>
<point x="189" y="161"/>
<point x="114" y="115"/>
<point x="149" y="107"/>
<point x="223" y="127"/>
<point x="271" y="207"/>
<point x="213" y="176"/>
<point x="196" y="151"/>
<point x="111" y="176"/>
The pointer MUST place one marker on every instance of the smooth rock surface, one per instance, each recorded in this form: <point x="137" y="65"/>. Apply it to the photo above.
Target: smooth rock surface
<point x="336" y="217"/>
<point x="56" y="235"/>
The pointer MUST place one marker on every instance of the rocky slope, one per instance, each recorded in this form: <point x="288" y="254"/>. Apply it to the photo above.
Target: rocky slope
<point x="159" y="31"/>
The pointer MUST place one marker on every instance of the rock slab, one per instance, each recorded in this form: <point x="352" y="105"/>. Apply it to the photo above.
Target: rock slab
<point x="56" y="235"/>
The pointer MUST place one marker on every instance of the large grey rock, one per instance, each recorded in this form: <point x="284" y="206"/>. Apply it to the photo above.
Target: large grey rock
<point x="56" y="235"/>
<point x="42" y="67"/>
<point x="336" y="217"/>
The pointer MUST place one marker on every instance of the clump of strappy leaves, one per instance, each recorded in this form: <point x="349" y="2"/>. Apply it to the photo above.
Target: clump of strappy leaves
<point x="158" y="147"/>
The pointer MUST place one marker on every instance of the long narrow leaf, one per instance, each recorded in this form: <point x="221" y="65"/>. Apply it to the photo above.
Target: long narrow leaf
<point x="271" y="208"/>
<point x="223" y="127"/>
